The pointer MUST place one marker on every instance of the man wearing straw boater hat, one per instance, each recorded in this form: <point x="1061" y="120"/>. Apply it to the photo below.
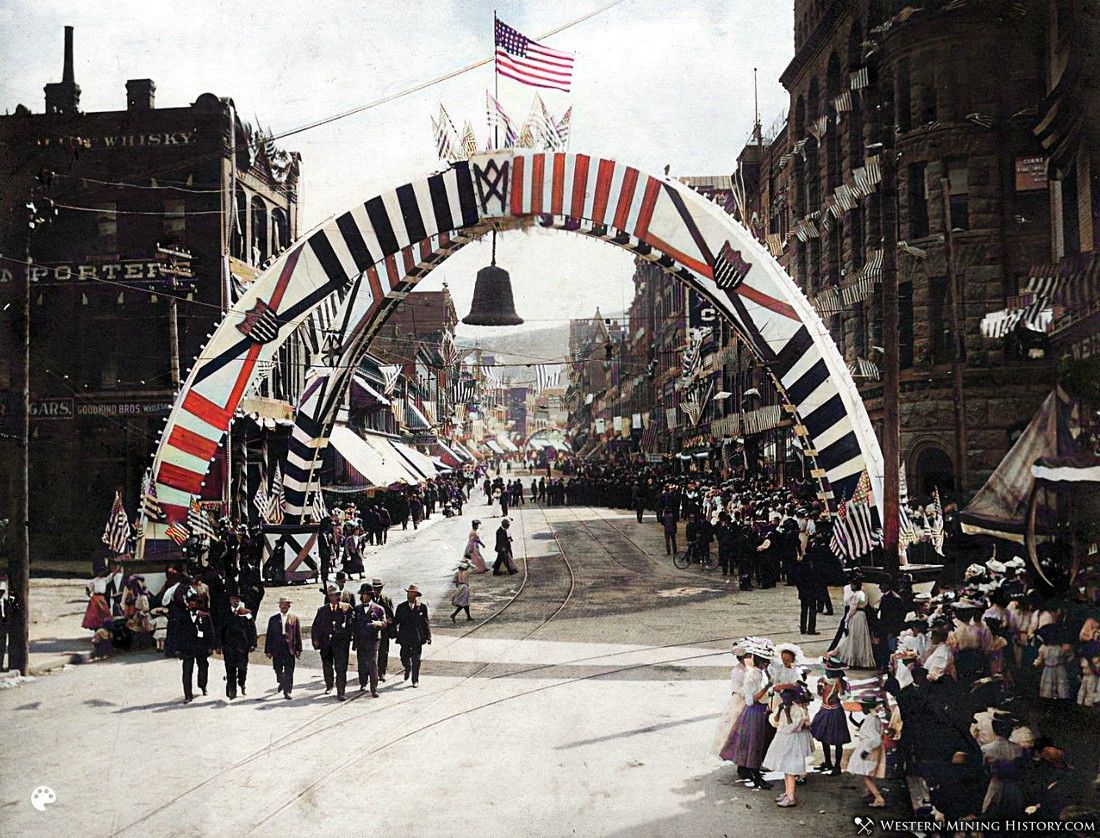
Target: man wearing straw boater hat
<point x="283" y="645"/>
<point x="413" y="631"/>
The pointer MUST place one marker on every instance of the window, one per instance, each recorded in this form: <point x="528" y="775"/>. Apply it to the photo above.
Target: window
<point x="939" y="320"/>
<point x="106" y="228"/>
<point x="905" y="325"/>
<point x="958" y="177"/>
<point x="240" y="226"/>
<point x="174" y="220"/>
<point x="918" y="202"/>
<point x="904" y="117"/>
<point x="280" y="230"/>
<point x="855" y="132"/>
<point x="259" y="251"/>
<point x="1071" y="227"/>
<point x="859" y="250"/>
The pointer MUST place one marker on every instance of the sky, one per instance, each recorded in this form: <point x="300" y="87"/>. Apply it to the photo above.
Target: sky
<point x="656" y="83"/>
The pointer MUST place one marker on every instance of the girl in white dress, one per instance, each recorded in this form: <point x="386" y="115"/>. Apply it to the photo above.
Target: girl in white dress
<point x="792" y="743"/>
<point x="867" y="760"/>
<point x="855" y="648"/>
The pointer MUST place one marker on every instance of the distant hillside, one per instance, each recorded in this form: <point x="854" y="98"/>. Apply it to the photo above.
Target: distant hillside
<point x="533" y="346"/>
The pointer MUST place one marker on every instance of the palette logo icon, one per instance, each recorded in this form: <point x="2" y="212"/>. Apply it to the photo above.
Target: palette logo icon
<point x="42" y="797"/>
<point x="864" y="826"/>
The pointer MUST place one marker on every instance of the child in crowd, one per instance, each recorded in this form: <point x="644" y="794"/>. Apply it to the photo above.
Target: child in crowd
<point x="792" y="743"/>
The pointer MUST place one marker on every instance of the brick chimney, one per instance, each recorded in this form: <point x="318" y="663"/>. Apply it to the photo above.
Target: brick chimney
<point x="64" y="96"/>
<point x="140" y="94"/>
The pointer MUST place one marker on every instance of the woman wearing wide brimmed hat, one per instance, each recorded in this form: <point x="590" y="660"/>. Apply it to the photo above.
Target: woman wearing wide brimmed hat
<point x="473" y="549"/>
<point x="753" y="734"/>
<point x="829" y="726"/>
<point x="460" y="599"/>
<point x="723" y="737"/>
<point x="792" y="743"/>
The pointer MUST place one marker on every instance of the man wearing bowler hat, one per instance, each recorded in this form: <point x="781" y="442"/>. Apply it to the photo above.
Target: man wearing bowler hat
<point x="283" y="644"/>
<point x="369" y="621"/>
<point x="413" y="631"/>
<point x="331" y="636"/>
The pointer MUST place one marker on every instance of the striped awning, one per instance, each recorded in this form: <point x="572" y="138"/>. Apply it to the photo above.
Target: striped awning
<point x="1034" y="308"/>
<point x="762" y="419"/>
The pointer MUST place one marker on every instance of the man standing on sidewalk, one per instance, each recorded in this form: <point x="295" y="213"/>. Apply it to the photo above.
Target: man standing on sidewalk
<point x="368" y="622"/>
<point x="331" y="636"/>
<point x="238" y="638"/>
<point x="413" y="632"/>
<point x="283" y="644"/>
<point x="388" y="633"/>
<point x="668" y="521"/>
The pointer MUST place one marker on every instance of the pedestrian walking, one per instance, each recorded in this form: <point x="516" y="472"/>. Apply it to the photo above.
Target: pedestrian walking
<point x="504" y="551"/>
<point x="413" y="632"/>
<point x="368" y="624"/>
<point x="855" y="648"/>
<point x="460" y="599"/>
<point x="195" y="642"/>
<point x="283" y="645"/>
<point x="801" y="574"/>
<point x="473" y="549"/>
<point x="238" y="638"/>
<point x="331" y="636"/>
<point x="390" y="631"/>
<point x="868" y="760"/>
<point x="668" y="521"/>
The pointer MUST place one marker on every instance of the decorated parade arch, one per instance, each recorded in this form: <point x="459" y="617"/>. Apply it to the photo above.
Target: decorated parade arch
<point x="371" y="256"/>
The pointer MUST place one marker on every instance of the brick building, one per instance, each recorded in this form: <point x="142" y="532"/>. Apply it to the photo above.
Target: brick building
<point x="960" y="83"/>
<point x="114" y="325"/>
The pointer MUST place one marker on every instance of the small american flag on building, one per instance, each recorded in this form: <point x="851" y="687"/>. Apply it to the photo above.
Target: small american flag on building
<point x="178" y="533"/>
<point x="529" y="62"/>
<point x="198" y="522"/>
<point x="150" y="506"/>
<point x="116" y="534"/>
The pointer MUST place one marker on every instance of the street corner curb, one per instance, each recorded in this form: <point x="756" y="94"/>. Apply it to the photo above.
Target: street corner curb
<point x="57" y="662"/>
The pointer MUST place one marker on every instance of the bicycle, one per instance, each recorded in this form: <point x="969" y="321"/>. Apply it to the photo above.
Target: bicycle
<point x="684" y="558"/>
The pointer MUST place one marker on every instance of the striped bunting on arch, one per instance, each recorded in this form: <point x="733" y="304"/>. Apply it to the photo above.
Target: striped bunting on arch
<point x="307" y="274"/>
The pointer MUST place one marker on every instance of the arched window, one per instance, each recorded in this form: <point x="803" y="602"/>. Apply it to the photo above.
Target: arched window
<point x="240" y="225"/>
<point x="813" y="169"/>
<point x="855" y="117"/>
<point x="259" y="246"/>
<point x="798" y="131"/>
<point x="280" y="230"/>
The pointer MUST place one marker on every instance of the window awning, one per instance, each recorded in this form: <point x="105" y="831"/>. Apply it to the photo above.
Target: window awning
<point x="371" y="456"/>
<point x="362" y="387"/>
<point x="506" y="444"/>
<point x="417" y="463"/>
<point x="492" y="445"/>
<point x="415" y="420"/>
<point x="440" y="465"/>
<point x="446" y="455"/>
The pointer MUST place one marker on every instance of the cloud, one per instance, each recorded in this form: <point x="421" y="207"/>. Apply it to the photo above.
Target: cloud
<point x="656" y="83"/>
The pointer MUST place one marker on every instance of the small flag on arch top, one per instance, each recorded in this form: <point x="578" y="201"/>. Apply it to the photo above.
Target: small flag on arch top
<point x="529" y="62"/>
<point x="116" y="535"/>
<point x="178" y="532"/>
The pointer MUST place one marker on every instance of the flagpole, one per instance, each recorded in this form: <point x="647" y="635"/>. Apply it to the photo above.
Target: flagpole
<point x="496" y="96"/>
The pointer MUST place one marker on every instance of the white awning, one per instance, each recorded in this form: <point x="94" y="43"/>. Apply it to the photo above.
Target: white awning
<point x="417" y="463"/>
<point x="492" y="445"/>
<point x="440" y="465"/>
<point x="361" y="383"/>
<point x="371" y="456"/>
<point x="506" y="444"/>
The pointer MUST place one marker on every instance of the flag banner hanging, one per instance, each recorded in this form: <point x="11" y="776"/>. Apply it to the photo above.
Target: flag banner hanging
<point x="469" y="140"/>
<point x="275" y="502"/>
<point x="116" y="534"/>
<point x="390" y="374"/>
<point x="198" y="521"/>
<point x="564" y="126"/>
<point x="529" y="62"/>
<point x="178" y="533"/>
<point x="319" y="510"/>
<point x="150" y="506"/>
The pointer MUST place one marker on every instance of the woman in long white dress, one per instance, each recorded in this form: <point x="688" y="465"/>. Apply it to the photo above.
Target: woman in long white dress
<point x="473" y="549"/>
<point x="855" y="648"/>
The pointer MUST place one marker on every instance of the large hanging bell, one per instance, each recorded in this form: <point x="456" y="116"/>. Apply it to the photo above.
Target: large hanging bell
<point x="493" y="304"/>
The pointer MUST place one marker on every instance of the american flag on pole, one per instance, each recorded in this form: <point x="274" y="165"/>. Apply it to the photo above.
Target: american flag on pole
<point x="150" y="506"/>
<point x="275" y="502"/>
<point x="855" y="531"/>
<point x="529" y="62"/>
<point x="198" y="522"/>
<point x="937" y="521"/>
<point x="116" y="534"/>
<point x="319" y="510"/>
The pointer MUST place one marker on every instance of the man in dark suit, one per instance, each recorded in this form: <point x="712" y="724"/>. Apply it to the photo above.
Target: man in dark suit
<point x="196" y="641"/>
<point x="368" y="622"/>
<point x="388" y="632"/>
<point x="331" y="636"/>
<point x="283" y="644"/>
<point x="413" y="631"/>
<point x="238" y="638"/>
<point x="504" y="550"/>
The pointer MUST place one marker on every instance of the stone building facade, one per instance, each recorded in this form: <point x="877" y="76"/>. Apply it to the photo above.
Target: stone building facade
<point x="961" y="106"/>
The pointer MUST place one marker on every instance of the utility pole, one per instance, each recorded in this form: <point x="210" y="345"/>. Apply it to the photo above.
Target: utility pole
<point x="954" y="292"/>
